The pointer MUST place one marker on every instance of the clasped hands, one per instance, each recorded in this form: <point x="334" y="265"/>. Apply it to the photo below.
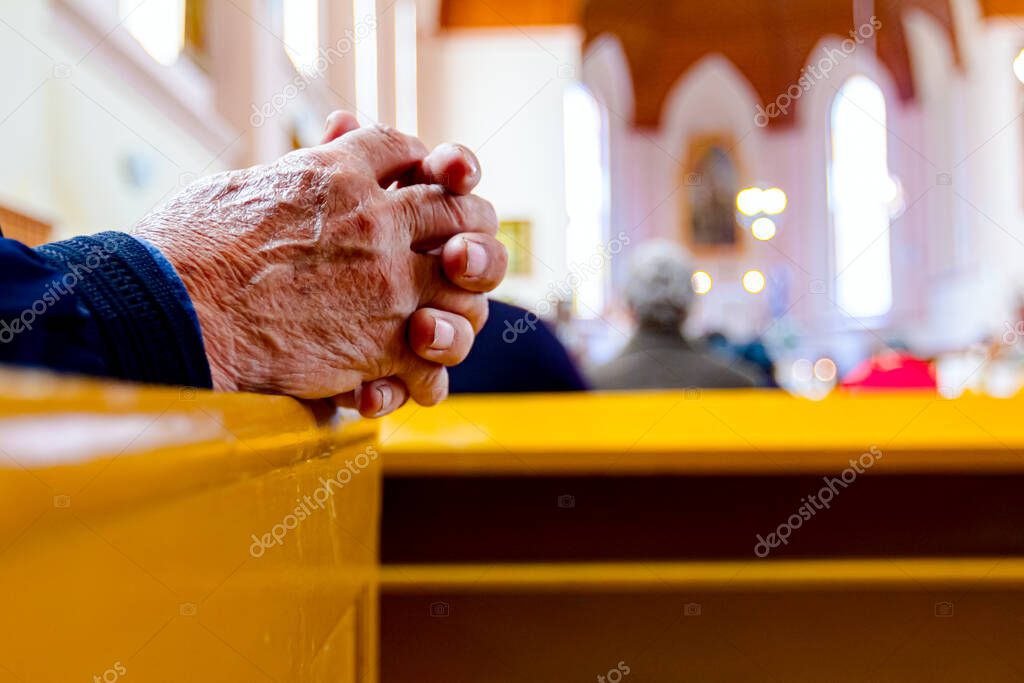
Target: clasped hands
<point x="355" y="270"/>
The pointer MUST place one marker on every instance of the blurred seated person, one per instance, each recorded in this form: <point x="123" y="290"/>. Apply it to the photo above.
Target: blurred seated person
<point x="659" y="296"/>
<point x="515" y="352"/>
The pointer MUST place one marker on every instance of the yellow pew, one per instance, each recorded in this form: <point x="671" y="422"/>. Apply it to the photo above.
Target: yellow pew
<point x="577" y="537"/>
<point x="174" y="535"/>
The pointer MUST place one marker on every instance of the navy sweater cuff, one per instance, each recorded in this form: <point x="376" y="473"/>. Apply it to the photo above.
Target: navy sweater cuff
<point x="149" y="333"/>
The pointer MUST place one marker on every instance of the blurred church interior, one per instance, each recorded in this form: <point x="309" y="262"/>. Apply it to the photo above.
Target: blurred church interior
<point x="847" y="176"/>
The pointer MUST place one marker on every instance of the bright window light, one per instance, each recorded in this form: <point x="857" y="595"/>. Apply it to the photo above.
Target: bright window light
<point x="858" y="200"/>
<point x="301" y="32"/>
<point x="365" y="14"/>
<point x="405" y="66"/>
<point x="585" y="193"/>
<point x="1018" y="66"/>
<point x="158" y="25"/>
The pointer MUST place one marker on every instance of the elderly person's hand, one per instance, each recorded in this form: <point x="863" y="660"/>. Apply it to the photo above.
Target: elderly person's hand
<point x="310" y="277"/>
<point x="457" y="169"/>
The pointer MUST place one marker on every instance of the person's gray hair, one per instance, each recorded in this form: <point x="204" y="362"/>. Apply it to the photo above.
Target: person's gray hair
<point x="659" y="289"/>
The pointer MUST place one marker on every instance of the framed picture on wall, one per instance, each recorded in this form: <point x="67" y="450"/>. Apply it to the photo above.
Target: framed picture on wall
<point x="710" y="181"/>
<point x="517" y="237"/>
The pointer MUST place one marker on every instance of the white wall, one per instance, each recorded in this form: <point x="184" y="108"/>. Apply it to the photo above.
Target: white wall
<point x="70" y="130"/>
<point x="500" y="93"/>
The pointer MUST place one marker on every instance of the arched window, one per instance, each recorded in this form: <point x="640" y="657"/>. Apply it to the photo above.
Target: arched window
<point x="158" y="25"/>
<point x="861" y="196"/>
<point x="585" y="195"/>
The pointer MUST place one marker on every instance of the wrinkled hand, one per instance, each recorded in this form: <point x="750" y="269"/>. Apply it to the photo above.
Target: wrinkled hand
<point x="310" y="277"/>
<point x="457" y="169"/>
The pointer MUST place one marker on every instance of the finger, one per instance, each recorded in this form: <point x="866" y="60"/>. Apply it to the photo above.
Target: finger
<point x="375" y="399"/>
<point x="472" y="307"/>
<point x="451" y="166"/>
<point x="427" y="382"/>
<point x="382" y="397"/>
<point x="388" y="153"/>
<point x="436" y="291"/>
<point x="338" y="123"/>
<point x="433" y="215"/>
<point x="475" y="262"/>
<point x="322" y="409"/>
<point x="347" y="400"/>
<point x="439" y="336"/>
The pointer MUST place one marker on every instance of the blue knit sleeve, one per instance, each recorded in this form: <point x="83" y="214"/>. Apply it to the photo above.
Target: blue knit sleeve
<point x="177" y="286"/>
<point x="107" y="305"/>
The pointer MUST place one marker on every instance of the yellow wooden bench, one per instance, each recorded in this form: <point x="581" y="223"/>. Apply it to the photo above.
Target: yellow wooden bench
<point x="169" y="535"/>
<point x="614" y="538"/>
<point x="174" y="535"/>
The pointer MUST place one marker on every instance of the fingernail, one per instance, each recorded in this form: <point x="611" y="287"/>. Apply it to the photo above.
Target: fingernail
<point x="327" y="123"/>
<point x="444" y="335"/>
<point x="471" y="160"/>
<point x="476" y="259"/>
<point x="385" y="393"/>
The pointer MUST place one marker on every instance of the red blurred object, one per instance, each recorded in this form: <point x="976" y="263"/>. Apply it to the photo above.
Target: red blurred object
<point x="891" y="370"/>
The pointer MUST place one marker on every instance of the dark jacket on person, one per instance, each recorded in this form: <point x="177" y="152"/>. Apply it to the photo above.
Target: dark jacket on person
<point x="660" y="358"/>
<point x="107" y="305"/>
<point x="515" y="352"/>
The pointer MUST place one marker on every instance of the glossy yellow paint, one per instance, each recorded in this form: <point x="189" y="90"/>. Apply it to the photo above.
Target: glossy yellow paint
<point x="976" y="573"/>
<point x="133" y="538"/>
<point x="703" y="432"/>
<point x="877" y="618"/>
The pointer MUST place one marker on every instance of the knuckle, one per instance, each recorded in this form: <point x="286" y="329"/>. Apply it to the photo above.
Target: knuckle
<point x="310" y="158"/>
<point x="433" y="281"/>
<point x="306" y="167"/>
<point x="436" y="389"/>
<point x="450" y="209"/>
<point x="373" y="220"/>
<point x="343" y="181"/>
<point x="390" y="138"/>
<point x="430" y="206"/>
<point x="346" y="188"/>
<point x="422" y="195"/>
<point x="310" y="179"/>
<point x="490" y="215"/>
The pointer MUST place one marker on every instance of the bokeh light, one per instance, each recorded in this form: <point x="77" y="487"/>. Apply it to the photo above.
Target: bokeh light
<point x="763" y="229"/>
<point x="749" y="201"/>
<point x="702" y="282"/>
<point x="753" y="281"/>
<point x="825" y="369"/>
<point x="773" y="201"/>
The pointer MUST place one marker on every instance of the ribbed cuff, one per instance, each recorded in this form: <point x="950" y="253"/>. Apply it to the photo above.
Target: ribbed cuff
<point x="148" y="333"/>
